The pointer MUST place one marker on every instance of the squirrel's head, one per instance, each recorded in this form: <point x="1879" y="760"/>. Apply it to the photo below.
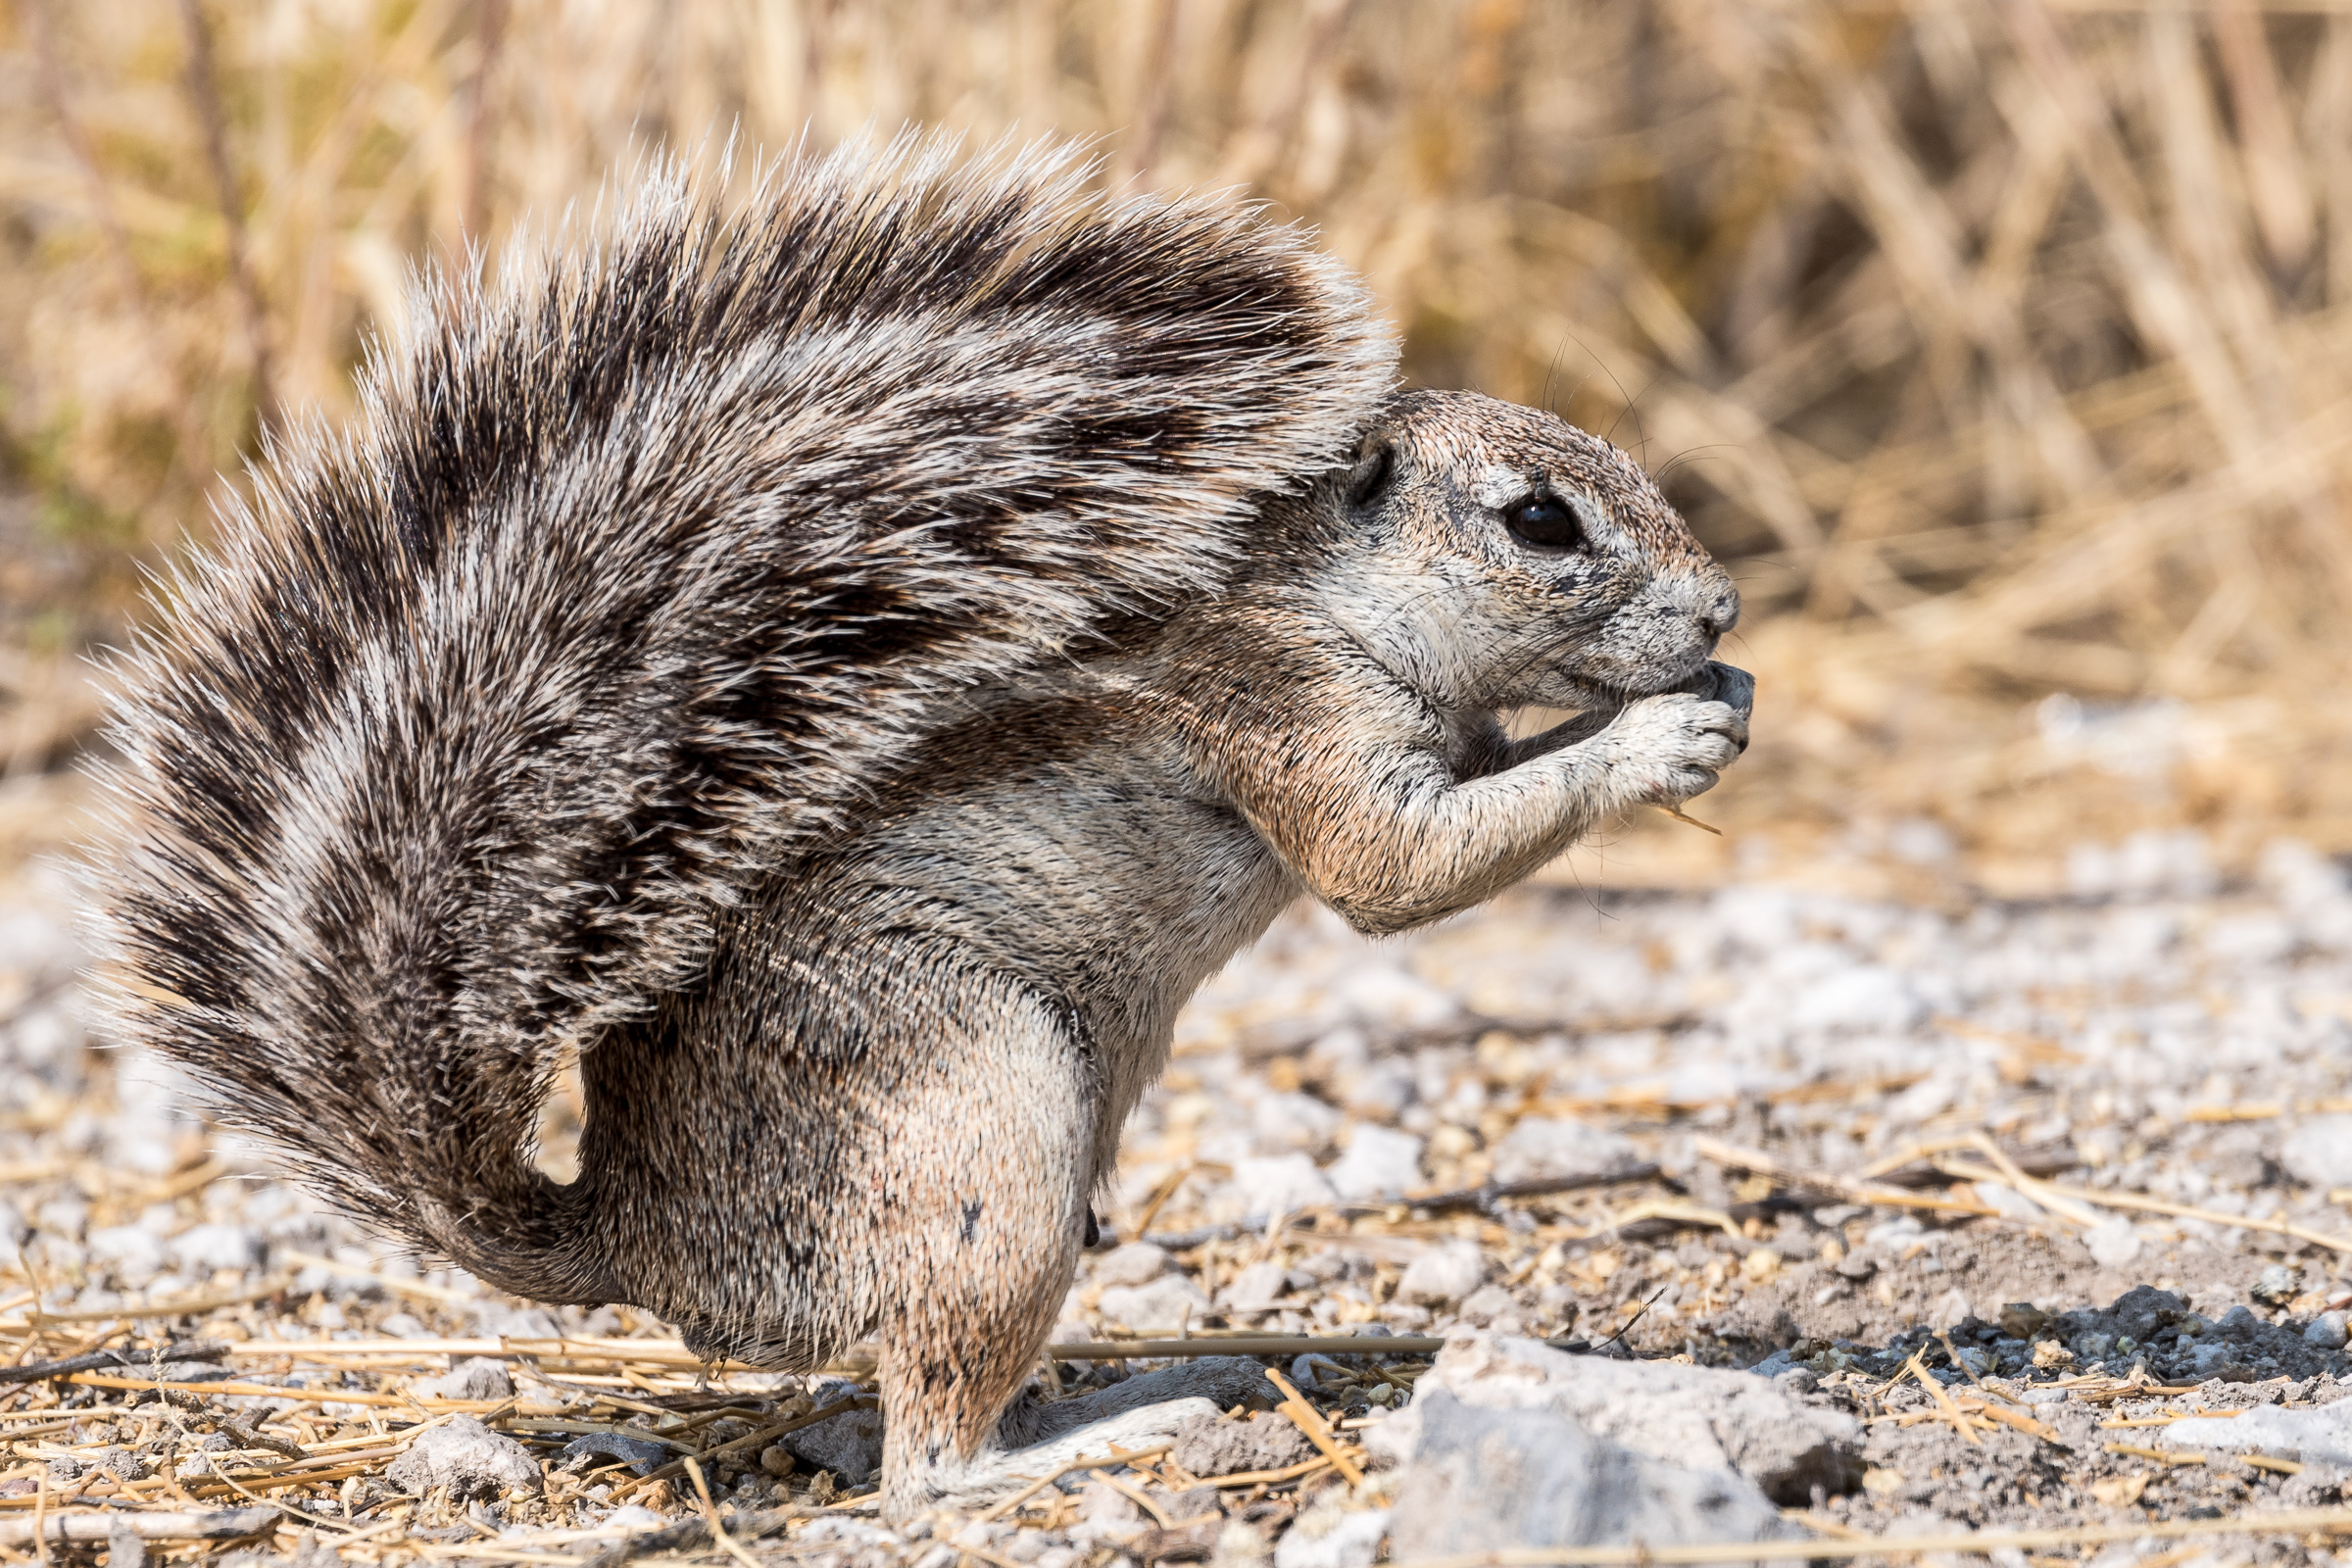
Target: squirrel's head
<point x="1494" y="556"/>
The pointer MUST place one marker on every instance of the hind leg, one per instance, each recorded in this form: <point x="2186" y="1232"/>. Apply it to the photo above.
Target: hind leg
<point x="984" y="1163"/>
<point x="905" y="1151"/>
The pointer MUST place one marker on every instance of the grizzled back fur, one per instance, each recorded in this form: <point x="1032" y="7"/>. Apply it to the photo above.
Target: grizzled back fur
<point x="641" y="564"/>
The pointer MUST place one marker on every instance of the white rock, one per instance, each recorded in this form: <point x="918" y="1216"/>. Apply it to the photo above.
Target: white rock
<point x="1350" y="1540"/>
<point x="1694" y="1416"/>
<point x="123" y="1547"/>
<point x="1920" y="840"/>
<point x="60" y="1254"/>
<point x="1443" y="1274"/>
<point x="2318" y="1433"/>
<point x="1380" y="1090"/>
<point x="46" y="1036"/>
<point x="2145" y="863"/>
<point x="1894" y="1234"/>
<point x="1761" y="919"/>
<point x="2133" y="938"/>
<point x="151" y="1111"/>
<point x="1379" y="1163"/>
<point x="854" y="1533"/>
<point x="466" y="1457"/>
<point x="1542" y="1147"/>
<point x="634" y="1517"/>
<point x="1258" y="1288"/>
<point x="1489" y="1303"/>
<point x="2319" y="1151"/>
<point x="62" y="1216"/>
<point x="1163" y="1307"/>
<point x="2009" y="1202"/>
<point x="2208" y="1357"/>
<point x="1931" y="1095"/>
<point x="2178" y="863"/>
<point x="2327" y="1331"/>
<point x="1106" y="1515"/>
<point x="2300" y="875"/>
<point x="983" y="1536"/>
<point x="1341" y="1051"/>
<point x="133" y="1252"/>
<point x="2244" y="939"/>
<point x="516" y="1322"/>
<point x="1281" y="1184"/>
<point x="1864" y="997"/>
<point x="1285" y="1121"/>
<point x="2112" y="1243"/>
<point x="1482" y="1479"/>
<point x="1386" y="1000"/>
<point x="214" y="1245"/>
<point x="475" y="1377"/>
<point x="1136" y="1263"/>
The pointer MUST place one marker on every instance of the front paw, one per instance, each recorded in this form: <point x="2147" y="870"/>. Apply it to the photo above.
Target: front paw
<point x="1669" y="748"/>
<point x="1718" y="682"/>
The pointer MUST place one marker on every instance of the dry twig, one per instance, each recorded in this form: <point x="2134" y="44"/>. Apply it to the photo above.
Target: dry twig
<point x="1308" y="1420"/>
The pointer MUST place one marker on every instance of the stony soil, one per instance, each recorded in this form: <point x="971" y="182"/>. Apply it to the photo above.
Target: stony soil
<point x="1761" y="1124"/>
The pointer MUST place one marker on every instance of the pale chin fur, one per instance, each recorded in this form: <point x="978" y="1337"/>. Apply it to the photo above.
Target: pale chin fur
<point x="1459" y="660"/>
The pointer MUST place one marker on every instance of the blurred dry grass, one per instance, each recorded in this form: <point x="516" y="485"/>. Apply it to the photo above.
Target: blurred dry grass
<point x="2005" y="346"/>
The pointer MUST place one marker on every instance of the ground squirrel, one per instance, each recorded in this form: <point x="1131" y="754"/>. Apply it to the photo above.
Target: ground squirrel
<point x="851" y="670"/>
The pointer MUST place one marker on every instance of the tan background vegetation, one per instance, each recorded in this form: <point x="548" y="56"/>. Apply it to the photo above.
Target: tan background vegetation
<point x="2003" y="346"/>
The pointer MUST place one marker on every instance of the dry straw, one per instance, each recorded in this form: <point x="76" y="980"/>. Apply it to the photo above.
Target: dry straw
<point x="2003" y="348"/>
<point x="2015" y="334"/>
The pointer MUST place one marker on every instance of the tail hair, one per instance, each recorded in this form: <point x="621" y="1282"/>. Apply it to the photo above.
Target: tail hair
<point x="641" y="564"/>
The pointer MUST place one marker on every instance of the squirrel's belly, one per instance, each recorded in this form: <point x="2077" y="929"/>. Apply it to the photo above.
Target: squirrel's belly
<point x="1120" y="894"/>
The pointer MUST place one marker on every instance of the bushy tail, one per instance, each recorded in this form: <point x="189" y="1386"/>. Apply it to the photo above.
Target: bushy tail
<point x="638" y="565"/>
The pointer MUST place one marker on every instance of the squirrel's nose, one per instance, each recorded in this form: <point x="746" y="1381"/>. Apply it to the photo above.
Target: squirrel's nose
<point x="1719" y="616"/>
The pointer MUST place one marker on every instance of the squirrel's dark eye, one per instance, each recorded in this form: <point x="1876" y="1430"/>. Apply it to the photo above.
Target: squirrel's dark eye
<point x="1545" y="523"/>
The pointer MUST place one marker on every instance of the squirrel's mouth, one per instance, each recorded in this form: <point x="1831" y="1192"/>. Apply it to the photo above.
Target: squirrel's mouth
<point x="1607" y="694"/>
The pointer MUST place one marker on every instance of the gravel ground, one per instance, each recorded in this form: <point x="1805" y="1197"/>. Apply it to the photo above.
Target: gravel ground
<point x="1988" y="1177"/>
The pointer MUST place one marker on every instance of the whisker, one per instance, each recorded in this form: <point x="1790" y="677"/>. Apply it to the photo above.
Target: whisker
<point x="1690" y="454"/>
<point x="1625" y="402"/>
<point x="1624" y="399"/>
<point x="1571" y="637"/>
<point x="1397" y="612"/>
<point x="1551" y="372"/>
<point x="1581" y="382"/>
<point x="1633" y="408"/>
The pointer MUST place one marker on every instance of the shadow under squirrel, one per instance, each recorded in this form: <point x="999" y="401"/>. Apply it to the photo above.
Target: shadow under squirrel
<point x="852" y="669"/>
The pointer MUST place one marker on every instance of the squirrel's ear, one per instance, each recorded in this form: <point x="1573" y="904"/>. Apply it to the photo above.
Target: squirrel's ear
<point x="1372" y="470"/>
